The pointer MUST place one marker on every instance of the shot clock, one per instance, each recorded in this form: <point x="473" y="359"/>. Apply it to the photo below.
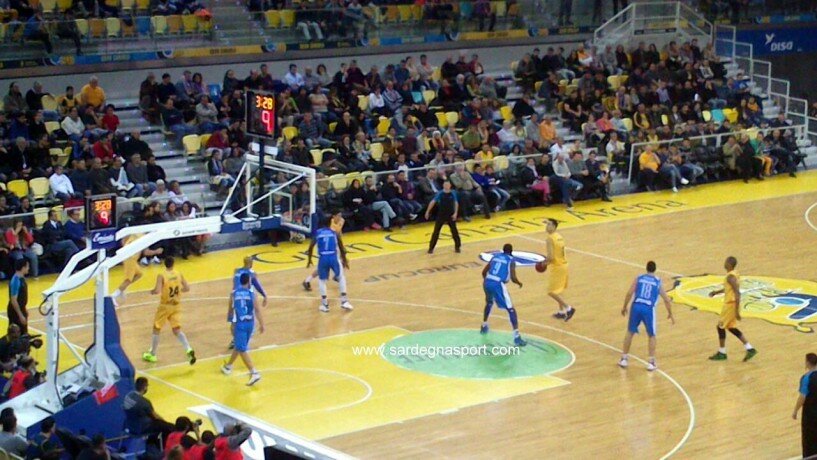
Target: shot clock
<point x="101" y="212"/>
<point x="260" y="107"/>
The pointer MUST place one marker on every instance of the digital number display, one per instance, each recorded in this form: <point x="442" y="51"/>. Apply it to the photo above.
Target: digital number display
<point x="101" y="212"/>
<point x="260" y="107"/>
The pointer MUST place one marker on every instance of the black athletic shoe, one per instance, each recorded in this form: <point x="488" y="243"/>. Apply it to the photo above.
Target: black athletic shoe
<point x="559" y="315"/>
<point x="307" y="286"/>
<point x="570" y="314"/>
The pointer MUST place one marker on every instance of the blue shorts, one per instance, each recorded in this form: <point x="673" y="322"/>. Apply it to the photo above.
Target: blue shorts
<point x="497" y="292"/>
<point x="642" y="314"/>
<point x="326" y="263"/>
<point x="242" y="335"/>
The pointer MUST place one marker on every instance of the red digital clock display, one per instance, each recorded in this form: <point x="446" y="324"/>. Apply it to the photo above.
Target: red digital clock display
<point x="101" y="212"/>
<point x="260" y="107"/>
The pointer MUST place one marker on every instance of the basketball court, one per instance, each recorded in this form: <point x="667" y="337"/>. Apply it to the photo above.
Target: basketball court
<point x="562" y="396"/>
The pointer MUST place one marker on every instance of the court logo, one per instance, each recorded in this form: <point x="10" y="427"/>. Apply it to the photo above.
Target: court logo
<point x="522" y="258"/>
<point x="779" y="301"/>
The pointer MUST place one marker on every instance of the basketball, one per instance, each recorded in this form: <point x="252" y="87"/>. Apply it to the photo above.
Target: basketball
<point x="541" y="266"/>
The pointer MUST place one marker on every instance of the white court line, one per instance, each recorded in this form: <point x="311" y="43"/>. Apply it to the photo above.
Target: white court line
<point x="659" y="371"/>
<point x="806" y="216"/>
<point x="369" y="390"/>
<point x="603" y="257"/>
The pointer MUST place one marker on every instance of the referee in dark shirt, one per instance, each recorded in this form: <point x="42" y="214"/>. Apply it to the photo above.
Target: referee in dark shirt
<point x="447" y="208"/>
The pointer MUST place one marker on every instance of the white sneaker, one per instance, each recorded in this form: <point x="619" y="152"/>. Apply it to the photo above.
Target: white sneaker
<point x="652" y="366"/>
<point x="623" y="363"/>
<point x="324" y="308"/>
<point x="226" y="370"/>
<point x="684" y="181"/>
<point x="674" y="189"/>
<point x="254" y="378"/>
<point x="144" y="261"/>
<point x="346" y="305"/>
<point x="156" y="260"/>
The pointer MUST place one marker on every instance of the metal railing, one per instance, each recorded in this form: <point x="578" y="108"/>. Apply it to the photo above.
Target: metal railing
<point x="638" y="147"/>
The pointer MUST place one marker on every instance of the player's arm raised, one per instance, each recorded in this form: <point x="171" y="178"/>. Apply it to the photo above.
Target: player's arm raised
<point x="259" y="318"/>
<point x="668" y="304"/>
<point x="733" y="281"/>
<point x="513" y="275"/>
<point x="627" y="298"/>
<point x="159" y="283"/>
<point x="309" y="251"/>
<point x="342" y="249"/>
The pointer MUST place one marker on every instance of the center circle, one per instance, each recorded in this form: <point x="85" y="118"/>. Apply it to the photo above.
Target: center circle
<point x="467" y="354"/>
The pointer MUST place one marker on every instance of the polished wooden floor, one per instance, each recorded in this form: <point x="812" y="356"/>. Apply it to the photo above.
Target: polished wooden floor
<point x="738" y="410"/>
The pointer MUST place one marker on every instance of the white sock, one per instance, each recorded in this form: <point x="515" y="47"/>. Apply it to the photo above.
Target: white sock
<point x="748" y="346"/>
<point x="322" y="288"/>
<point x="343" y="297"/>
<point x="183" y="340"/>
<point x="253" y="371"/>
<point x="722" y="350"/>
<point x="228" y="366"/>
<point x="342" y="282"/>
<point x="116" y="293"/>
<point x="625" y="356"/>
<point x="652" y="359"/>
<point x="154" y="344"/>
<point x="308" y="279"/>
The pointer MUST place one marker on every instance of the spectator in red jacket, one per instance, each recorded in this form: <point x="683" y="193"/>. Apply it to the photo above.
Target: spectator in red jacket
<point x="103" y="149"/>
<point x="110" y="121"/>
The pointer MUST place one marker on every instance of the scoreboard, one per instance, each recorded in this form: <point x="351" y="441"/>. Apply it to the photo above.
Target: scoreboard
<point x="260" y="114"/>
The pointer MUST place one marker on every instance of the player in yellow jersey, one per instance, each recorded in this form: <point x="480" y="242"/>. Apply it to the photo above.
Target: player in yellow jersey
<point x="169" y="285"/>
<point x="336" y="224"/>
<point x="730" y="312"/>
<point x="132" y="271"/>
<point x="556" y="263"/>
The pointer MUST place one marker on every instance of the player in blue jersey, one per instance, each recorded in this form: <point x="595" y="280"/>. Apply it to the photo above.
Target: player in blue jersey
<point x="646" y="289"/>
<point x="331" y="256"/>
<point x="243" y="312"/>
<point x="495" y="275"/>
<point x="255" y="285"/>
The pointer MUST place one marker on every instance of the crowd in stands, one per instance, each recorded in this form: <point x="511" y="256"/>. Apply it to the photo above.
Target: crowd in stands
<point x="55" y="151"/>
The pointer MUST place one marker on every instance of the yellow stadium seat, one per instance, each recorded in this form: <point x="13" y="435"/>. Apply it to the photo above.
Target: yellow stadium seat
<point x="404" y="12"/>
<point x="190" y="23"/>
<point x="62" y="156"/>
<point x="731" y="115"/>
<point x="628" y="124"/>
<point x="40" y="189"/>
<point x="436" y="74"/>
<point x="353" y="176"/>
<point x="376" y="151"/>
<point x="429" y="95"/>
<point x="143" y="5"/>
<point x="332" y="127"/>
<point x="51" y="126"/>
<point x="18" y="187"/>
<point x="48" y="6"/>
<point x="159" y="25"/>
<point x="317" y="156"/>
<point x="289" y="132"/>
<point x="500" y="8"/>
<point x="49" y="103"/>
<point x="614" y="82"/>
<point x="416" y="12"/>
<point x="392" y="14"/>
<point x="82" y="27"/>
<point x="3" y="186"/>
<point x="40" y="216"/>
<point x="174" y="24"/>
<point x="288" y="18"/>
<point x="362" y="102"/>
<point x="338" y="182"/>
<point x="452" y="118"/>
<point x="273" y="19"/>
<point x="537" y="86"/>
<point x="707" y="115"/>
<point x="665" y="119"/>
<point x="96" y="28"/>
<point x="501" y="162"/>
<point x="114" y="27"/>
<point x="383" y="126"/>
<point x="469" y="165"/>
<point x="192" y="144"/>
<point x="65" y="5"/>
<point x="204" y="138"/>
<point x="127" y="5"/>
<point x="442" y="122"/>
<point x="506" y="112"/>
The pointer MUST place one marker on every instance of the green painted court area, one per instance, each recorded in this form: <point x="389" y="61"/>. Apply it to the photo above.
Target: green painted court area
<point x="467" y="354"/>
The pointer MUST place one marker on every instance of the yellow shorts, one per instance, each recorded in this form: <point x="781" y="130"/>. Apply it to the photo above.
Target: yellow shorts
<point x="729" y="316"/>
<point x="167" y="314"/>
<point x="557" y="281"/>
<point x="132" y="269"/>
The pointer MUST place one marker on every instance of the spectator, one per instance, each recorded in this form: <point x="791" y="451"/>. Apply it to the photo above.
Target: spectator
<point x="55" y="240"/>
<point x="293" y="79"/>
<point x="354" y="200"/>
<point x="67" y="101"/>
<point x="228" y="444"/>
<point x="649" y="164"/>
<point x="73" y="126"/>
<point x="98" y="450"/>
<point x="81" y="179"/>
<point x="25" y="377"/>
<point x="75" y="228"/>
<point x="206" y="115"/>
<point x="469" y="192"/>
<point x="312" y="131"/>
<point x="218" y="177"/>
<point x="10" y="441"/>
<point x="93" y="95"/>
<point x="20" y="243"/>
<point x="61" y="185"/>
<point x="14" y="101"/>
<point x="35" y="29"/>
<point x="45" y="444"/>
<point x="137" y="172"/>
<point x="140" y="417"/>
<point x="155" y="172"/>
<point x="562" y="179"/>
<point x="110" y="121"/>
